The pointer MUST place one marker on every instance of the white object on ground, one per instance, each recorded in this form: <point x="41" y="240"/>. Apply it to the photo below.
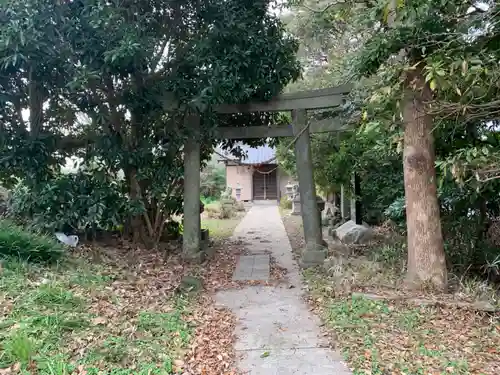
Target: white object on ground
<point x="67" y="240"/>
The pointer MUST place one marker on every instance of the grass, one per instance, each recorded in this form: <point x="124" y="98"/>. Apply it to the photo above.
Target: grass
<point x="222" y="228"/>
<point x="16" y="241"/>
<point x="98" y="317"/>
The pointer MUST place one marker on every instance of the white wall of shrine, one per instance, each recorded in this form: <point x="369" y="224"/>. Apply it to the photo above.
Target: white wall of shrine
<point x="242" y="175"/>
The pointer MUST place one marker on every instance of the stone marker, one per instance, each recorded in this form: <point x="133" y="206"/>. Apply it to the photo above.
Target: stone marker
<point x="352" y="233"/>
<point x="328" y="214"/>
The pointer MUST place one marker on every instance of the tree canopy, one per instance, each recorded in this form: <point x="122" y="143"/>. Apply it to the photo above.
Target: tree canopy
<point x="452" y="48"/>
<point x="95" y="77"/>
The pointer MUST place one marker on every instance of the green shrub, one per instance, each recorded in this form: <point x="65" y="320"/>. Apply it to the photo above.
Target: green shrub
<point x="390" y="255"/>
<point x="219" y="211"/>
<point x="396" y="211"/>
<point x="227" y="211"/>
<point x="239" y="206"/>
<point x="212" y="210"/>
<point x="208" y="200"/>
<point x="72" y="202"/>
<point x="18" y="242"/>
<point x="213" y="180"/>
<point x="285" y="203"/>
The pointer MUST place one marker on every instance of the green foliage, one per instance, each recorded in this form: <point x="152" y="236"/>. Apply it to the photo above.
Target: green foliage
<point x="208" y="200"/>
<point x="76" y="202"/>
<point x="391" y="256"/>
<point x="396" y="211"/>
<point x="16" y="241"/>
<point x="335" y="157"/>
<point x="18" y="348"/>
<point x="213" y="181"/>
<point x="96" y="78"/>
<point x="285" y="203"/>
<point x="374" y="45"/>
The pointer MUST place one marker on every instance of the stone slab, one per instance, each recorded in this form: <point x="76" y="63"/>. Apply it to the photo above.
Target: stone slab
<point x="252" y="267"/>
<point x="261" y="259"/>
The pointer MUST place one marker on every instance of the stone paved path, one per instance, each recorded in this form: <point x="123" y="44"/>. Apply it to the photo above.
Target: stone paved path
<point x="252" y="267"/>
<point x="276" y="332"/>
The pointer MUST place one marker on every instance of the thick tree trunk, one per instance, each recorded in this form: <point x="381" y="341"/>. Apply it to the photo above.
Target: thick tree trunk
<point x="426" y="258"/>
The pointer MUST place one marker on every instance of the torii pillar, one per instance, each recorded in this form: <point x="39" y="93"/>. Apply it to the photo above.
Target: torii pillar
<point x="191" y="238"/>
<point x="314" y="252"/>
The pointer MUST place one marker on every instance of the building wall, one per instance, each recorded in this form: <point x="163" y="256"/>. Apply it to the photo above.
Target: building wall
<point x="243" y="175"/>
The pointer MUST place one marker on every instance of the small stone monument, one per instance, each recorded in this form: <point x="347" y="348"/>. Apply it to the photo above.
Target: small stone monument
<point x="296" y="200"/>
<point x="328" y="214"/>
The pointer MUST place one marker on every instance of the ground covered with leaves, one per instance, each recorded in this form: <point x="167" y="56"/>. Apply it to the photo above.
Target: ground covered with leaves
<point x="403" y="332"/>
<point x="116" y="309"/>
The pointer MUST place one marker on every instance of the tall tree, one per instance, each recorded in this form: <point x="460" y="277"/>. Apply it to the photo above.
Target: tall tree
<point x="403" y="45"/>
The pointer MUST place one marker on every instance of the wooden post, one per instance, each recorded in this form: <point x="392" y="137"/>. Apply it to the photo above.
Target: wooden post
<point x="344" y="203"/>
<point x="192" y="221"/>
<point x="356" y="208"/>
<point x="314" y="253"/>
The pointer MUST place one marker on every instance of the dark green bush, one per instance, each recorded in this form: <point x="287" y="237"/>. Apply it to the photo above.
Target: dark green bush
<point x="16" y="241"/>
<point x="71" y="203"/>
<point x="396" y="211"/>
<point x="213" y="181"/>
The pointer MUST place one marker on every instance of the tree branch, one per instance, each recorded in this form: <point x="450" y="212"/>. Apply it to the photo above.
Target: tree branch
<point x="157" y="59"/>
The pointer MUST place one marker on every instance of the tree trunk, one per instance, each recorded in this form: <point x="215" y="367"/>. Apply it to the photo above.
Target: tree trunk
<point x="426" y="258"/>
<point x="136" y="224"/>
<point x="35" y="105"/>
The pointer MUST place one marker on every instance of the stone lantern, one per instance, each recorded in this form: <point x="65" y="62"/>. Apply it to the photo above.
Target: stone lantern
<point x="237" y="191"/>
<point x="289" y="190"/>
<point x="296" y="209"/>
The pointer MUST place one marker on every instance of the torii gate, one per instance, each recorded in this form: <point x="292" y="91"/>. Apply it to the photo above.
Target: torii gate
<point x="298" y="103"/>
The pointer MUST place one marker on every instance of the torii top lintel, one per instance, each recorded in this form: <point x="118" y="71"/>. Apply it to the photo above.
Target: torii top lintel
<point x="311" y="99"/>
